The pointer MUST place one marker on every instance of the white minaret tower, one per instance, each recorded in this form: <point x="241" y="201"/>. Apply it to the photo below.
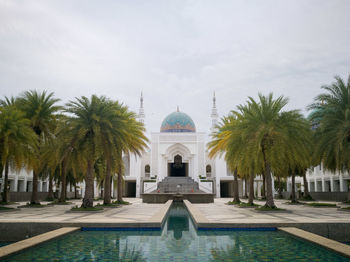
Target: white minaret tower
<point x="214" y="114"/>
<point x="141" y="115"/>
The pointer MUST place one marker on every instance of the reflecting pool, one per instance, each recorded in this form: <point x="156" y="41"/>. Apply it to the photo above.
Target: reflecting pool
<point x="177" y="241"/>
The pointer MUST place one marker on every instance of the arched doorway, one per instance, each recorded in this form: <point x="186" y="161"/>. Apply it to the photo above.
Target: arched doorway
<point x="178" y="168"/>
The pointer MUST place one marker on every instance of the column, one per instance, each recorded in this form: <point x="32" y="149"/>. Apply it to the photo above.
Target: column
<point x="331" y="183"/>
<point x="341" y="183"/>
<point x="315" y="182"/>
<point x="218" y="187"/>
<point x="243" y="187"/>
<point x="323" y="185"/>
<point x="289" y="186"/>
<point x="257" y="184"/>
<point x="15" y="182"/>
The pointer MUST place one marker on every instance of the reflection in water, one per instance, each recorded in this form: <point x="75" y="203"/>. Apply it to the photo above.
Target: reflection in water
<point x="178" y="220"/>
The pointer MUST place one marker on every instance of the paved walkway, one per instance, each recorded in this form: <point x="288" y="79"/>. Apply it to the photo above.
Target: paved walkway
<point x="136" y="212"/>
<point x="219" y="212"/>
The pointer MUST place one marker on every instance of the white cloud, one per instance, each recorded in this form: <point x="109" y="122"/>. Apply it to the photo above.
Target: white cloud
<point x="176" y="52"/>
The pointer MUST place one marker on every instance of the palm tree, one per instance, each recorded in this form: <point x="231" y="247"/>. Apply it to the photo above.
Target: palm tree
<point x="17" y="141"/>
<point x="40" y="108"/>
<point x="127" y="137"/>
<point x="225" y="133"/>
<point x="331" y="113"/>
<point x="279" y="137"/>
<point x="260" y="136"/>
<point x="101" y="128"/>
<point x="88" y="116"/>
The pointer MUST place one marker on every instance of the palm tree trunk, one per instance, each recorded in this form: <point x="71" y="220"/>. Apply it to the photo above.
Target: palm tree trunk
<point x="50" y="196"/>
<point x="235" y="188"/>
<point x="102" y="189"/>
<point x="64" y="182"/>
<point x="34" y="199"/>
<point x="269" y="195"/>
<point x="293" y="200"/>
<point x="75" y="190"/>
<point x="251" y="189"/>
<point x="5" y="197"/>
<point x="245" y="187"/>
<point x="306" y="188"/>
<point x="120" y="184"/>
<point x="88" y="200"/>
<point x="107" y="187"/>
<point x="110" y="188"/>
<point x="263" y="191"/>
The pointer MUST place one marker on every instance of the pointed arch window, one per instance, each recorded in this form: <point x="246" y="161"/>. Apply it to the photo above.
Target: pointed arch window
<point x="147" y="170"/>
<point x="208" y="170"/>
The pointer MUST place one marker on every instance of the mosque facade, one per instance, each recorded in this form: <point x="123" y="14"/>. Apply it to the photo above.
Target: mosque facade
<point x="179" y="150"/>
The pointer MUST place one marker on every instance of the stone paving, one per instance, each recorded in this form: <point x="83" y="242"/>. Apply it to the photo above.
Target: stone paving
<point x="217" y="212"/>
<point x="137" y="212"/>
<point x="220" y="212"/>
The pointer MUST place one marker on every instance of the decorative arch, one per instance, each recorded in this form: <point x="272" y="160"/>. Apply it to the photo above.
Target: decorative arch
<point x="178" y="149"/>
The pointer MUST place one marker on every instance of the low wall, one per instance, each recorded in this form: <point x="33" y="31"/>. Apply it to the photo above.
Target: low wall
<point x="164" y="197"/>
<point x="331" y="196"/>
<point x="26" y="196"/>
<point x="324" y="196"/>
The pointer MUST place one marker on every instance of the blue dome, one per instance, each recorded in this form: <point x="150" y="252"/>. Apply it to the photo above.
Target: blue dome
<point x="178" y="122"/>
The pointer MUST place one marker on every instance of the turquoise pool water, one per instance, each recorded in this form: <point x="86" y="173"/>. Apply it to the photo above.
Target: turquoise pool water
<point x="5" y="243"/>
<point x="178" y="241"/>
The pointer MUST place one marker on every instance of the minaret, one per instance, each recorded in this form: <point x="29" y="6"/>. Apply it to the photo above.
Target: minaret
<point x="141" y="115"/>
<point x="214" y="114"/>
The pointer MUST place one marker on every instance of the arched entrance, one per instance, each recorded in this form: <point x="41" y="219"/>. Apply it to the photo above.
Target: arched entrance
<point x="178" y="168"/>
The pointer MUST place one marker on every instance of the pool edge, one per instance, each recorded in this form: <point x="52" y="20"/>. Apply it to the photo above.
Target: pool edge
<point x="330" y="244"/>
<point x="33" y="241"/>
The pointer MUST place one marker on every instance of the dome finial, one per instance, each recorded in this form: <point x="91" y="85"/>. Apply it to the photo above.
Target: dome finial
<point x="177" y="109"/>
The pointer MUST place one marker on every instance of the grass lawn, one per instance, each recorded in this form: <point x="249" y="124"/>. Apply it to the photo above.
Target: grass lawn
<point x="28" y="205"/>
<point x="232" y="203"/>
<point x="111" y="205"/>
<point x="121" y="202"/>
<point x="244" y="205"/>
<point x="6" y="208"/>
<point x="59" y="203"/>
<point x="294" y="203"/>
<point x="316" y="204"/>
<point x="90" y="209"/>
<point x="264" y="209"/>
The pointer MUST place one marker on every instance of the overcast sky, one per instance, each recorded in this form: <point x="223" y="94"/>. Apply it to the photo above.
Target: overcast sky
<point x="176" y="52"/>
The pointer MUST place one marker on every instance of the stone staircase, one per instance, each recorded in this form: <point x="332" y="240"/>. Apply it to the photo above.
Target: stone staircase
<point x="178" y="185"/>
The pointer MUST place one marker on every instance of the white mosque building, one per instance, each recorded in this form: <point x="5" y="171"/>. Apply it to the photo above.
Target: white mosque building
<point x="178" y="150"/>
